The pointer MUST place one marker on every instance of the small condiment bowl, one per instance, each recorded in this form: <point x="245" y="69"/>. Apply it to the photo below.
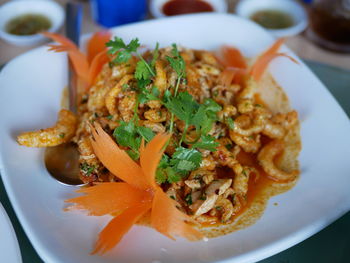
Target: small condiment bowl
<point x="156" y="6"/>
<point x="247" y="8"/>
<point x="50" y="9"/>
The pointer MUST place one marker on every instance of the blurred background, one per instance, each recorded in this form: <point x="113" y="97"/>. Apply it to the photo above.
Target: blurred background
<point x="315" y="29"/>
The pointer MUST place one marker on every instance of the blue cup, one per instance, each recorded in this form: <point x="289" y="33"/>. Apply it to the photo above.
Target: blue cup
<point x="111" y="13"/>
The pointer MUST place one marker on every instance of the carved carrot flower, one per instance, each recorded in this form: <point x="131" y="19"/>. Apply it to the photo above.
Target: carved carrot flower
<point x="237" y="68"/>
<point x="138" y="194"/>
<point x="87" y="66"/>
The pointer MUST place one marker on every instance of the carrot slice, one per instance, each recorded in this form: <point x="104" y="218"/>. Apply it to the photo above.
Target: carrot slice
<point x="275" y="47"/>
<point x="227" y="76"/>
<point x="232" y="57"/>
<point x="107" y="198"/>
<point x="118" y="227"/>
<point x="232" y="75"/>
<point x="170" y="221"/>
<point x="59" y="39"/>
<point x="117" y="161"/>
<point x="151" y="155"/>
<point x="262" y="63"/>
<point x="78" y="59"/>
<point x="96" y="65"/>
<point x="97" y="44"/>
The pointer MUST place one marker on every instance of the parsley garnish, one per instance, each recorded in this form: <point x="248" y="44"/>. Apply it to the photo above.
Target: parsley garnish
<point x="202" y="116"/>
<point x="181" y="163"/>
<point x="143" y="69"/>
<point x="179" y="65"/>
<point x="230" y="122"/>
<point x="124" y="51"/>
<point x="129" y="135"/>
<point x="185" y="160"/>
<point x="177" y="62"/>
<point x="206" y="142"/>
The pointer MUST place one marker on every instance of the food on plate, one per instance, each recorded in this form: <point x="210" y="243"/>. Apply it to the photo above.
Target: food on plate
<point x="189" y="142"/>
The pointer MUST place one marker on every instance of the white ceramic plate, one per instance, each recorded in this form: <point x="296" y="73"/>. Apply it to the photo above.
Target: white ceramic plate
<point x="30" y="91"/>
<point x="9" y="249"/>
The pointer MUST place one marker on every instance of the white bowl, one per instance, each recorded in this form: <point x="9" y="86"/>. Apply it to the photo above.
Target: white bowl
<point x="10" y="10"/>
<point x="246" y="8"/>
<point x="156" y="6"/>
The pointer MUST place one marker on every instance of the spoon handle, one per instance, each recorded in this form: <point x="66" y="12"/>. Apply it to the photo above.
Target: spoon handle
<point x="74" y="14"/>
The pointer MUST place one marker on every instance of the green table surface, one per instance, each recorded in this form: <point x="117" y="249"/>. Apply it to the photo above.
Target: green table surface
<point x="331" y="245"/>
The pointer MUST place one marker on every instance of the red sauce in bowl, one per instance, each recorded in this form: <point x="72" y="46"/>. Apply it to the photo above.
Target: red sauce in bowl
<point x="177" y="7"/>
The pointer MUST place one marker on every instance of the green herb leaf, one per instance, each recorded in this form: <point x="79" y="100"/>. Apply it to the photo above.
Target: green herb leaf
<point x="161" y="176"/>
<point x="155" y="55"/>
<point x="172" y="175"/>
<point x="206" y="142"/>
<point x="230" y="122"/>
<point x="185" y="165"/>
<point x="124" y="51"/>
<point x="125" y="135"/>
<point x="211" y="105"/>
<point x="145" y="133"/>
<point x="185" y="160"/>
<point x="183" y="106"/>
<point x="177" y="62"/>
<point x="135" y="155"/>
<point x="142" y="70"/>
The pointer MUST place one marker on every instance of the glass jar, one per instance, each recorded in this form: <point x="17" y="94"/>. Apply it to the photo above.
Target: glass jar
<point x="330" y="24"/>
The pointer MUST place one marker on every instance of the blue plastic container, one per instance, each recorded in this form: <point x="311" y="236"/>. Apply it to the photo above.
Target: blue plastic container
<point x="111" y="13"/>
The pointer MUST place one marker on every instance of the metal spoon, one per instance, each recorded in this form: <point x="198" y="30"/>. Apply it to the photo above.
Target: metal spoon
<point x="62" y="161"/>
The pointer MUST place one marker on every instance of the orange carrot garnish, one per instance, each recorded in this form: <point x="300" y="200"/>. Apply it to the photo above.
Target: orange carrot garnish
<point x="117" y="161"/>
<point x="261" y="64"/>
<point x="86" y="67"/>
<point x="235" y="63"/>
<point x="118" y="227"/>
<point x="97" y="44"/>
<point x="78" y="59"/>
<point x="59" y="39"/>
<point x="107" y="198"/>
<point x="170" y="221"/>
<point x="96" y="65"/>
<point x="151" y="155"/>
<point x="232" y="57"/>
<point x="130" y="200"/>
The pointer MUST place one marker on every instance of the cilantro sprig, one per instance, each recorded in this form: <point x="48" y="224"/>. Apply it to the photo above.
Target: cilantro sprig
<point x="128" y="134"/>
<point x="124" y="53"/>
<point x="182" y="162"/>
<point x="124" y="50"/>
<point x="179" y="65"/>
<point x="185" y="108"/>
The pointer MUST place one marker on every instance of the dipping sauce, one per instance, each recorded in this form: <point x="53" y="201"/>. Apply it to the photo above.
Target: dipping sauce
<point x="28" y="24"/>
<point x="177" y="7"/>
<point x="272" y="19"/>
<point x="331" y="24"/>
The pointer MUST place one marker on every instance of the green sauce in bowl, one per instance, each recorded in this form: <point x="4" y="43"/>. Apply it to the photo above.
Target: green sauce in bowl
<point x="28" y="24"/>
<point x="272" y="19"/>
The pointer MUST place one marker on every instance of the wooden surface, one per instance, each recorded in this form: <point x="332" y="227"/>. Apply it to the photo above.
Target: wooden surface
<point x="299" y="44"/>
